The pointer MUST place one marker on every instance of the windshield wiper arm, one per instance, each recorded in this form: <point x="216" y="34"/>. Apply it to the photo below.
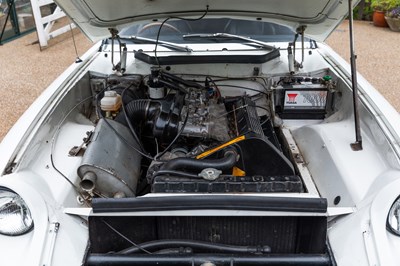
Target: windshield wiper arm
<point x="229" y="36"/>
<point x="170" y="45"/>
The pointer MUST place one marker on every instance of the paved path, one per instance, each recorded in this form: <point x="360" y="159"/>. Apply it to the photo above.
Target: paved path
<point x="378" y="56"/>
<point x="25" y="71"/>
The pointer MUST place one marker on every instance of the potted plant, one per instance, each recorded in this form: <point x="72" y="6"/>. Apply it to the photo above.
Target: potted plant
<point x="380" y="7"/>
<point x="393" y="19"/>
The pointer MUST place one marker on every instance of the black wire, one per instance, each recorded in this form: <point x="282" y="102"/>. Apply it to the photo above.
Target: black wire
<point x="219" y="96"/>
<point x="262" y="107"/>
<point x="264" y="122"/>
<point x="173" y="86"/>
<point x="221" y="78"/>
<point x="175" y="173"/>
<point x="120" y="136"/>
<point x="176" y="137"/>
<point x="162" y="24"/>
<point x="268" y="111"/>
<point x="78" y="59"/>
<point x="186" y="83"/>
<point x="242" y="87"/>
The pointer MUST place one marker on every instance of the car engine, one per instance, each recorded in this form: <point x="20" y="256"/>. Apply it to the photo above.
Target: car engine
<point x="164" y="133"/>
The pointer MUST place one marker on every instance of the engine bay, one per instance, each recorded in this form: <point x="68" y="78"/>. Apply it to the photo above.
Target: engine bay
<point x="169" y="133"/>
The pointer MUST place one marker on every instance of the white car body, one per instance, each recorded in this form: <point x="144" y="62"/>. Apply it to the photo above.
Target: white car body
<point x="367" y="181"/>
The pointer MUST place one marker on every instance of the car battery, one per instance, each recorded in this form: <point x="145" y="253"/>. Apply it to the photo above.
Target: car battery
<point x="302" y="98"/>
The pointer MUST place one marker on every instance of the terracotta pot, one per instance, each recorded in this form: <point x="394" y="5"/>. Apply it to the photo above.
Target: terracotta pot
<point x="394" y="23"/>
<point x="378" y="18"/>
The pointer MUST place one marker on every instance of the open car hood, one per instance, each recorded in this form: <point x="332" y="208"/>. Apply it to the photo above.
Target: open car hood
<point x="94" y="17"/>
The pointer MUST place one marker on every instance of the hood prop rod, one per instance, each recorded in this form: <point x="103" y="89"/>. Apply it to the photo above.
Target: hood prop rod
<point x="357" y="145"/>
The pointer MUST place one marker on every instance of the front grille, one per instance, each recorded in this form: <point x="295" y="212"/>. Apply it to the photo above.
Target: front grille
<point x="287" y="234"/>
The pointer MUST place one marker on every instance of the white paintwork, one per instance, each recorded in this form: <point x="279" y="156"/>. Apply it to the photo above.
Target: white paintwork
<point x="367" y="181"/>
<point x="301" y="164"/>
<point x="94" y="17"/>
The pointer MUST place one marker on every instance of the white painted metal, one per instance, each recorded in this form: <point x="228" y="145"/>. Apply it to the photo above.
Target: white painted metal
<point x="45" y="24"/>
<point x="94" y="17"/>
<point x="367" y="181"/>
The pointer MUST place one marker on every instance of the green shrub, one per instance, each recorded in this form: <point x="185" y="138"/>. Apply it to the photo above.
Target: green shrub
<point x="363" y="11"/>
<point x="384" y="5"/>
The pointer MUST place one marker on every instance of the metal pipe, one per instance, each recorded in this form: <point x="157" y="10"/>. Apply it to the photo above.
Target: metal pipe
<point x="302" y="47"/>
<point x="357" y="145"/>
<point x="123" y="58"/>
<point x="291" y="60"/>
<point x="88" y="182"/>
<point x="10" y="8"/>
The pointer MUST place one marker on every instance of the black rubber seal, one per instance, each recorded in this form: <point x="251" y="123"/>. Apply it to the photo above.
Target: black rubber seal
<point x="218" y="259"/>
<point x="210" y="202"/>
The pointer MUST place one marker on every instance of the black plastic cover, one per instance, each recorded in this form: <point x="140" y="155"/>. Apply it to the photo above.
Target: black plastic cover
<point x="207" y="59"/>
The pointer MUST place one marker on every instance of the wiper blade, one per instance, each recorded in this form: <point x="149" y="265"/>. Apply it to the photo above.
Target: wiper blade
<point x="170" y="45"/>
<point x="229" y="36"/>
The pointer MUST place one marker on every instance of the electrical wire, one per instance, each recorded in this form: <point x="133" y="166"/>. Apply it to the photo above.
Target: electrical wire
<point x="268" y="111"/>
<point x="52" y="161"/>
<point x="162" y="24"/>
<point x="186" y="83"/>
<point x="176" y="137"/>
<point x="173" y="86"/>
<point x="124" y="237"/>
<point x="175" y="173"/>
<point x="78" y="59"/>
<point x="219" y="95"/>
<point x="243" y="87"/>
<point x="262" y="107"/>
<point x="120" y="136"/>
<point x="222" y="78"/>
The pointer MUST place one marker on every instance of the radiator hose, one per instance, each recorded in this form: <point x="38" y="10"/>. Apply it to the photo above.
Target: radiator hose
<point x="190" y="164"/>
<point x="196" y="244"/>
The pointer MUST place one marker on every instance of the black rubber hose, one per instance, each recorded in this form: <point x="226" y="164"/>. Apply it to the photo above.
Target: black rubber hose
<point x="186" y="83"/>
<point x="172" y="243"/>
<point x="173" y="86"/>
<point x="223" y="164"/>
<point x="137" y="109"/>
<point x="140" y="110"/>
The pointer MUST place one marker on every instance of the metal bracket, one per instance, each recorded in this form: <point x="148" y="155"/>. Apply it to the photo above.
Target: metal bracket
<point x="121" y="66"/>
<point x="78" y="150"/>
<point x="293" y="64"/>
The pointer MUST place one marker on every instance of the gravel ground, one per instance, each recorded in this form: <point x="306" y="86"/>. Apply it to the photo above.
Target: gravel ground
<point x="378" y="56"/>
<point x="26" y="71"/>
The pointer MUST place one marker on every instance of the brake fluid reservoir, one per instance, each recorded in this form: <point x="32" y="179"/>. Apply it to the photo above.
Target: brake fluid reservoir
<point x="111" y="102"/>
